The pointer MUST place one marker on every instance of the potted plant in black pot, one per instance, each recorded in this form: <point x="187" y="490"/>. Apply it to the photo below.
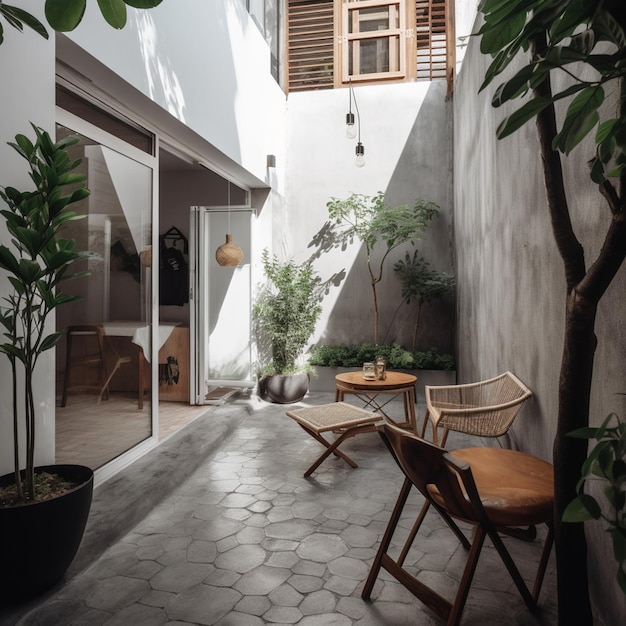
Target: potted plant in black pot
<point x="285" y="314"/>
<point x="43" y="510"/>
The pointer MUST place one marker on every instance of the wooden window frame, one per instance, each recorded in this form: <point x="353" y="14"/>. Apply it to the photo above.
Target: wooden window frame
<point x="400" y="38"/>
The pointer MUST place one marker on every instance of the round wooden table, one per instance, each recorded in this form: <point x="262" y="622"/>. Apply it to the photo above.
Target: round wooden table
<point x="396" y="383"/>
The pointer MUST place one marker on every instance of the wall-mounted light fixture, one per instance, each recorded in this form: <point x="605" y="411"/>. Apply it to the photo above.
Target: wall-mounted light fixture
<point x="351" y="131"/>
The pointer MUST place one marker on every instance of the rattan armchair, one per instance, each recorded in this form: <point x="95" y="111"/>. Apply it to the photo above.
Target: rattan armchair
<point x="486" y="408"/>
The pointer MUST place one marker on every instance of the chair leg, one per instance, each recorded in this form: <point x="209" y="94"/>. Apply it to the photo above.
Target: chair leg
<point x="466" y="580"/>
<point x="386" y="540"/>
<point x="510" y="565"/>
<point x="331" y="448"/>
<point x="543" y="563"/>
<point x="424" y="424"/>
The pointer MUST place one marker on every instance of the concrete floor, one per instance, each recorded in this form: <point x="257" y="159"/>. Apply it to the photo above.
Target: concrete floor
<point x="218" y="526"/>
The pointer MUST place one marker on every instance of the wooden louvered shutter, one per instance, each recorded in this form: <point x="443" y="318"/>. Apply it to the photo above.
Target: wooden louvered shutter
<point x="431" y="26"/>
<point x="310" y="44"/>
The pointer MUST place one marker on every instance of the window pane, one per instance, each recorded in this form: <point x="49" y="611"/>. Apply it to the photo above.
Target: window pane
<point x="373" y="19"/>
<point x="373" y="56"/>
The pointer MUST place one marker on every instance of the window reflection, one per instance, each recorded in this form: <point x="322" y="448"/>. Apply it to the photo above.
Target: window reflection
<point x="102" y="420"/>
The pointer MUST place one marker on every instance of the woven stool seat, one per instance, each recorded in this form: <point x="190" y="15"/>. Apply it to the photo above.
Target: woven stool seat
<point x="339" y="417"/>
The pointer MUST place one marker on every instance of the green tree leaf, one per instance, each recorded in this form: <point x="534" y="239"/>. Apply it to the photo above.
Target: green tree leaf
<point x="143" y="4"/>
<point x="65" y="15"/>
<point x="576" y="512"/>
<point x="114" y="12"/>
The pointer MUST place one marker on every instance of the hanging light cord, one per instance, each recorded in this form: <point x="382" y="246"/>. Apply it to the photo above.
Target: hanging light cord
<point x="356" y="108"/>
<point x="229" y="207"/>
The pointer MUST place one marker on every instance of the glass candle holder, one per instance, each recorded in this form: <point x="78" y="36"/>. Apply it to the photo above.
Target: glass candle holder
<point x="369" y="371"/>
<point x="381" y="368"/>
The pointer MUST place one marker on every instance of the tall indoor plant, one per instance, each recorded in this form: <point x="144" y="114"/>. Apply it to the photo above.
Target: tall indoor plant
<point x="37" y="262"/>
<point x="285" y="314"/>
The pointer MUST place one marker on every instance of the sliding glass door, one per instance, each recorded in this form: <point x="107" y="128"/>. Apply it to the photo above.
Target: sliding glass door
<point x="106" y="409"/>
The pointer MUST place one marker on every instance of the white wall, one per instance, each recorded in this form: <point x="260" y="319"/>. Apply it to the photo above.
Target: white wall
<point x="27" y="70"/>
<point x="207" y="64"/>
<point x="406" y="131"/>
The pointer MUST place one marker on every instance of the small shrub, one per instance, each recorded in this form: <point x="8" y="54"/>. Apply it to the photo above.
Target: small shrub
<point x="395" y="355"/>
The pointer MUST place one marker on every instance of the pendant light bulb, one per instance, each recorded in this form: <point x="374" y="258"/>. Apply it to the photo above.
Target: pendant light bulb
<point x="350" y="127"/>
<point x="229" y="254"/>
<point x="360" y="154"/>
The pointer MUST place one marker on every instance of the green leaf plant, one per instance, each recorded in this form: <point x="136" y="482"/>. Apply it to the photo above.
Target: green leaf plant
<point x="372" y="221"/>
<point x="66" y="15"/>
<point x="36" y="264"/>
<point x="285" y="313"/>
<point x="421" y="284"/>
<point x="605" y="464"/>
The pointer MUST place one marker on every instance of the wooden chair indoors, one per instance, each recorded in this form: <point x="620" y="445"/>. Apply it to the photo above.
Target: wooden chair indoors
<point x="489" y="488"/>
<point x="486" y="408"/>
<point x="85" y="366"/>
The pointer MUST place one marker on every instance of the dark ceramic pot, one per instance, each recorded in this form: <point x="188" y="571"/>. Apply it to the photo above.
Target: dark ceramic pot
<point x="39" y="540"/>
<point x="283" y="389"/>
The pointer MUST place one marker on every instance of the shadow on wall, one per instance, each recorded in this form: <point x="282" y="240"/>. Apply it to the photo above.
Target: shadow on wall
<point x="424" y="170"/>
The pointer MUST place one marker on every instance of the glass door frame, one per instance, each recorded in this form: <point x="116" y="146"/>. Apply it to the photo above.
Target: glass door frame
<point x="79" y="125"/>
<point x="199" y="255"/>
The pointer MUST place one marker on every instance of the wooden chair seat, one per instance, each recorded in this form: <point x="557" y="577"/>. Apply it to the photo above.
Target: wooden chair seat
<point x="516" y="489"/>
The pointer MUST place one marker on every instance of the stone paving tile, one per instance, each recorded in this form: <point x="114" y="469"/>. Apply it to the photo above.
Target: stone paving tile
<point x="246" y="540"/>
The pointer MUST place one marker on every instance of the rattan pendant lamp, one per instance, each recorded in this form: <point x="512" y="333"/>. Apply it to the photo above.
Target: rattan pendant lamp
<point x="229" y="254"/>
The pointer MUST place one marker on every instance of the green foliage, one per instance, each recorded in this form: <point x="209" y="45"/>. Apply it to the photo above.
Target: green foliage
<point x="371" y="220"/>
<point x="395" y="356"/>
<point x="587" y="41"/>
<point x="37" y="265"/>
<point x="607" y="463"/>
<point x="421" y="284"/>
<point x="285" y="313"/>
<point x="66" y="15"/>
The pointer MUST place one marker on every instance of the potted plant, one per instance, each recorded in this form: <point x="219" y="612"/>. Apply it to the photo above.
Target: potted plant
<point x="285" y="314"/>
<point x="43" y="510"/>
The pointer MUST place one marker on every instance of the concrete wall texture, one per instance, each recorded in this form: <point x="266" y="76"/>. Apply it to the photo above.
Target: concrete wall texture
<point x="511" y="286"/>
<point x="406" y="130"/>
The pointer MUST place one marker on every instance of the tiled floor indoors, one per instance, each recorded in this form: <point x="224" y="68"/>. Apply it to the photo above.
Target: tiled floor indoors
<point x="244" y="539"/>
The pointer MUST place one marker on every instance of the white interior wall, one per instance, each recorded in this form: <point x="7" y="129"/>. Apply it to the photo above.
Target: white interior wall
<point x="27" y="70"/>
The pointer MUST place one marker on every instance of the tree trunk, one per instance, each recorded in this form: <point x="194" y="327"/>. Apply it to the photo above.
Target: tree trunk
<point x="569" y="456"/>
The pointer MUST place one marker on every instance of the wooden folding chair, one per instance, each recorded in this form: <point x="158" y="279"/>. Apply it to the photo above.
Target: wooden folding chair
<point x="490" y="488"/>
<point x="85" y="351"/>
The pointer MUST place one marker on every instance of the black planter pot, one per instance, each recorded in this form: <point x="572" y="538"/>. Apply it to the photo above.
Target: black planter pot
<point x="39" y="540"/>
<point x="283" y="389"/>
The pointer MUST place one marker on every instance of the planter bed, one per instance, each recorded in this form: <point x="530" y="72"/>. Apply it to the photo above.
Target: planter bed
<point x="323" y="379"/>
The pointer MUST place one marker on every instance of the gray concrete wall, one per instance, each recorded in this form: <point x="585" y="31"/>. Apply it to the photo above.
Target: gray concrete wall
<point x="511" y="293"/>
